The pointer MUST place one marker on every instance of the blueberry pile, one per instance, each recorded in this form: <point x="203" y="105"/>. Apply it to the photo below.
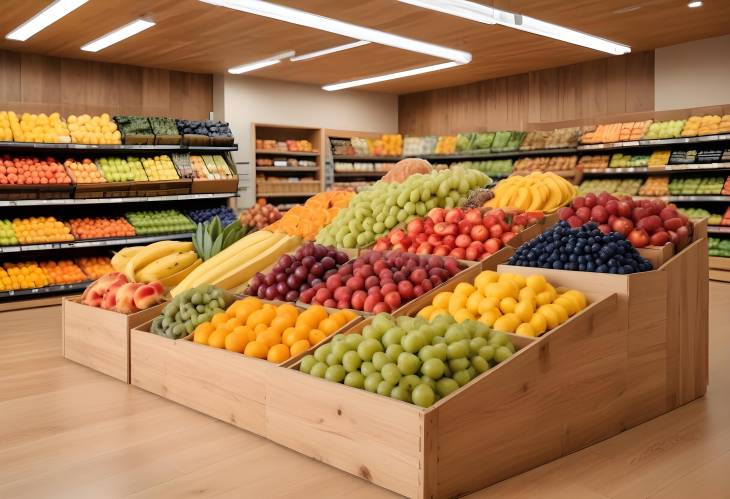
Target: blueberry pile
<point x="584" y="248"/>
<point x="208" y="127"/>
<point x="223" y="212"/>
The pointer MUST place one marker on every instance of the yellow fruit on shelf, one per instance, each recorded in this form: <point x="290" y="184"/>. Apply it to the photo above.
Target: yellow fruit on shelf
<point x="507" y="302"/>
<point x="535" y="192"/>
<point x="85" y="129"/>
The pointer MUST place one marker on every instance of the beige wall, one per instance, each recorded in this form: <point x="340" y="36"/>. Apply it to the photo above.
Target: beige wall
<point x="244" y="100"/>
<point x="692" y="74"/>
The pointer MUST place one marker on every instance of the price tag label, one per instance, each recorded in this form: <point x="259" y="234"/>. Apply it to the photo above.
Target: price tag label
<point x="34" y="290"/>
<point x="631" y="143"/>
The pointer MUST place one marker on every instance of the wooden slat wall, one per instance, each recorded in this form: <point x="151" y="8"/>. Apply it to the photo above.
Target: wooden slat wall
<point x="37" y="83"/>
<point x="587" y="90"/>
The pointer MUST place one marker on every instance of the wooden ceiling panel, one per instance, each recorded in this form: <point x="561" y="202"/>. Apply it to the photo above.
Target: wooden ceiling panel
<point x="196" y="37"/>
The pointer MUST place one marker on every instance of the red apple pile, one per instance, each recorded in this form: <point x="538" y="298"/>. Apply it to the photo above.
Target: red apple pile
<point x="471" y="234"/>
<point x="643" y="222"/>
<point x="381" y="281"/>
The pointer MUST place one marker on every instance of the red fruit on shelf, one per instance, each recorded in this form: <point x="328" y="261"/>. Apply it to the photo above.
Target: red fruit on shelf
<point x="496" y="230"/>
<point x="590" y="200"/>
<point x="473" y="253"/>
<point x="459" y="253"/>
<point x="659" y="238"/>
<point x="612" y="207"/>
<point x="650" y="224"/>
<point x="454" y="216"/>
<point x="579" y="202"/>
<point x="638" y="213"/>
<point x="405" y="289"/>
<point x="565" y="213"/>
<point x="479" y="233"/>
<point x="507" y="237"/>
<point x="638" y="238"/>
<point x="393" y="300"/>
<point x="381" y="307"/>
<point x="388" y="288"/>
<point x="492" y="245"/>
<point x="490" y="220"/>
<point x="625" y="208"/>
<point x="584" y="213"/>
<point x="465" y="227"/>
<point x="358" y="299"/>
<point x="668" y="212"/>
<point x="415" y="226"/>
<point x="599" y="214"/>
<point x="441" y="251"/>
<point x="463" y="241"/>
<point x="623" y="226"/>
<point x="673" y="223"/>
<point x="575" y="221"/>
<point x="437" y="215"/>
<point x="473" y="216"/>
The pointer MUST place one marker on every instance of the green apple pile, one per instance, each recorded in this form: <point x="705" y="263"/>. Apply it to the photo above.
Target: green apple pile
<point x="135" y="165"/>
<point x="116" y="169"/>
<point x="147" y="223"/>
<point x="409" y="359"/>
<point x="373" y="212"/>
<point x="7" y="233"/>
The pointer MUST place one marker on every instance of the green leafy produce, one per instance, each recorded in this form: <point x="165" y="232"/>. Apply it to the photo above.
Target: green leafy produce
<point x="163" y="126"/>
<point x="410" y="359"/>
<point x="211" y="238"/>
<point x="189" y="309"/>
<point x="133" y="125"/>
<point x="483" y="141"/>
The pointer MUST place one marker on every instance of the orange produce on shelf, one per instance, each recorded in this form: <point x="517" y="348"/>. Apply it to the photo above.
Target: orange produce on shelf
<point x="84" y="172"/>
<point x="35" y="230"/>
<point x="22" y="275"/>
<point x="32" y="171"/>
<point x="318" y="211"/>
<point x="96" y="266"/>
<point x="63" y="272"/>
<point x="98" y="228"/>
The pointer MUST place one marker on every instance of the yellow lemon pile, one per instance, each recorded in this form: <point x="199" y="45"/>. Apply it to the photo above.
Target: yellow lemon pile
<point x="508" y="302"/>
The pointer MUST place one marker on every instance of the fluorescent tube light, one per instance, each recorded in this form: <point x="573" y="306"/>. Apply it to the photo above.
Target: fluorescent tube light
<point x="309" y="20"/>
<point x="118" y="35"/>
<point x="44" y="18"/>
<point x="391" y="76"/>
<point x="490" y="15"/>
<point x="252" y="66"/>
<point x="694" y="5"/>
<point x="331" y="50"/>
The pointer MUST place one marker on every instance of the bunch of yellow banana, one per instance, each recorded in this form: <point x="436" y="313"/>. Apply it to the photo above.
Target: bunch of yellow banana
<point x="536" y="192"/>
<point x="166" y="261"/>
<point x="235" y="265"/>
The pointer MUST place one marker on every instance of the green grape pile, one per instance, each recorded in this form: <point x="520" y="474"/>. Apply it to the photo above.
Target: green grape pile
<point x="373" y="212"/>
<point x="410" y="359"/>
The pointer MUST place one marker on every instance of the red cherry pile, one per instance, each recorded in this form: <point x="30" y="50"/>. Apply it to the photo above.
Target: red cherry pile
<point x="470" y="234"/>
<point x="295" y="274"/>
<point x="643" y="222"/>
<point x="381" y="281"/>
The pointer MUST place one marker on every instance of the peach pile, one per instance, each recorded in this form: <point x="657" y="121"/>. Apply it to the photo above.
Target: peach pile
<point x="113" y="291"/>
<point x="85" y="172"/>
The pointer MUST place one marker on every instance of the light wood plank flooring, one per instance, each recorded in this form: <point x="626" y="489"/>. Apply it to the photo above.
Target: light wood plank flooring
<point x="67" y="431"/>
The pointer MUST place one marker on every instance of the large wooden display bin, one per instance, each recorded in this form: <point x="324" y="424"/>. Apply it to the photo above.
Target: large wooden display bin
<point x="552" y="397"/>
<point x="99" y="338"/>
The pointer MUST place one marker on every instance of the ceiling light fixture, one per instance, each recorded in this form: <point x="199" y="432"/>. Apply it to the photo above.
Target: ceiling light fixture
<point x="694" y="5"/>
<point x="44" y="18"/>
<point x="331" y="50"/>
<point x="270" y="61"/>
<point x="118" y="35"/>
<point x="390" y="76"/>
<point x="489" y="15"/>
<point x="309" y="20"/>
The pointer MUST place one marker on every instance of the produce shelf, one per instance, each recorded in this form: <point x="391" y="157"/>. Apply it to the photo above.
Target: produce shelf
<point x="356" y="174"/>
<point x="286" y="194"/>
<point x="657" y="170"/>
<point x="93" y="243"/>
<point x="368" y="158"/>
<point x="287" y="169"/>
<point x="718" y="229"/>
<point x="465" y="156"/>
<point x="698" y="199"/>
<point x="120" y="148"/>
<point x="301" y="154"/>
<point x="654" y="142"/>
<point x="52" y="202"/>
<point x="46" y="290"/>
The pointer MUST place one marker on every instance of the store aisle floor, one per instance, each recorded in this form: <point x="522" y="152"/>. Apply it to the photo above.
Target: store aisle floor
<point x="67" y="431"/>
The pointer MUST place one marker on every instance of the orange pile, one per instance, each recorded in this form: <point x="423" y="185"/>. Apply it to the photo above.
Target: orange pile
<point x="275" y="333"/>
<point x="318" y="211"/>
<point x="23" y="275"/>
<point x="96" y="266"/>
<point x="97" y="228"/>
<point x="63" y="272"/>
<point x="32" y="171"/>
<point x="85" y="172"/>
<point x="41" y="230"/>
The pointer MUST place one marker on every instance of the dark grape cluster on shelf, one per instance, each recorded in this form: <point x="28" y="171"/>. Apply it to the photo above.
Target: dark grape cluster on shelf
<point x="293" y="274"/>
<point x="226" y="215"/>
<point x="584" y="248"/>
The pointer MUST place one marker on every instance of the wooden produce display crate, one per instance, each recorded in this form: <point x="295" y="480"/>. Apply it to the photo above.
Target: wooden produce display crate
<point x="193" y="139"/>
<point x="435" y="452"/>
<point x="103" y="190"/>
<point x="720" y="268"/>
<point x="225" y="385"/>
<point x="201" y="186"/>
<point x="16" y="192"/>
<point x="99" y="338"/>
<point x="161" y="188"/>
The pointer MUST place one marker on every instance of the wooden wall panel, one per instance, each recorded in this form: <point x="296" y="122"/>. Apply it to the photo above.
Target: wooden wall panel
<point x="582" y="92"/>
<point x="37" y="83"/>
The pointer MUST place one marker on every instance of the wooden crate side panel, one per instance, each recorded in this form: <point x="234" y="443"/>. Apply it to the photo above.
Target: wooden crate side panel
<point x="96" y="338"/>
<point x="365" y="434"/>
<point x="559" y="395"/>
<point x="687" y="325"/>
<point x="646" y="341"/>
<point x="221" y="384"/>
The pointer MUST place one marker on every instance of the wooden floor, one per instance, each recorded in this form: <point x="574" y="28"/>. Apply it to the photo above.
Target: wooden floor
<point x="67" y="431"/>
